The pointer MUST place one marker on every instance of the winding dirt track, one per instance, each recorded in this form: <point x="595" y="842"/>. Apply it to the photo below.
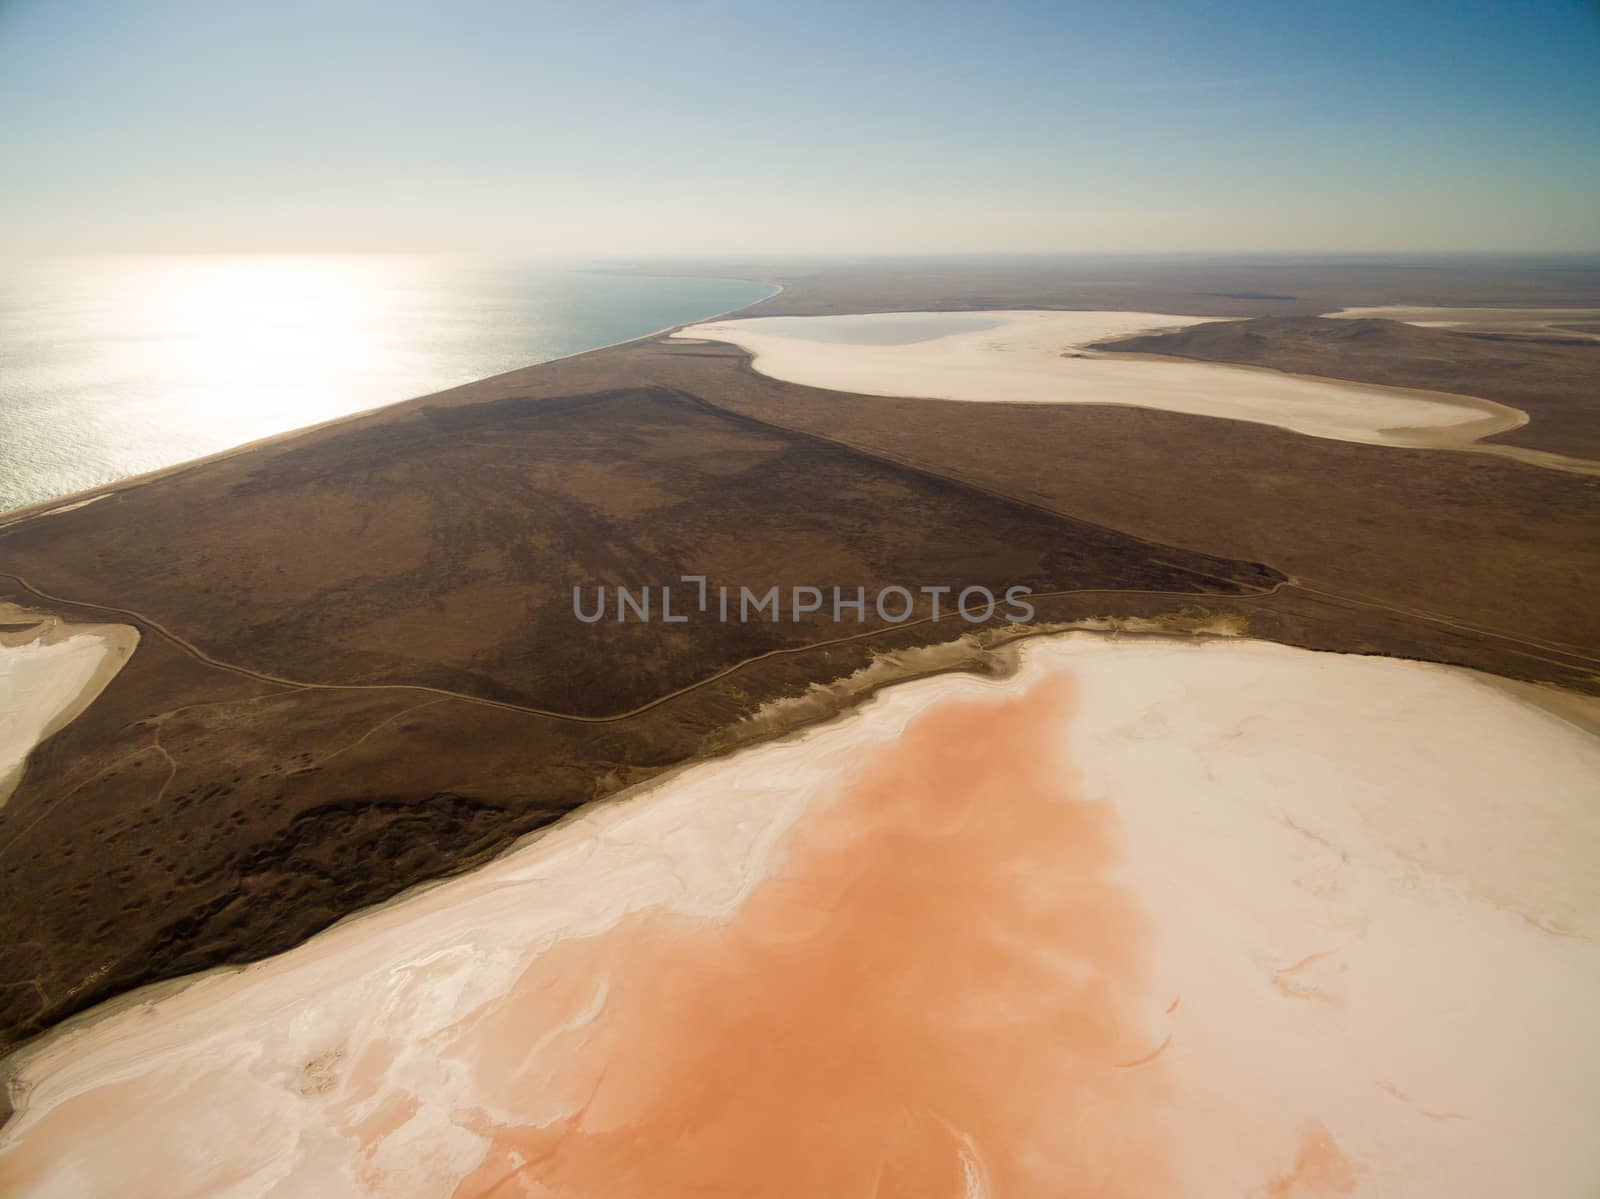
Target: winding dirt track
<point x="199" y="654"/>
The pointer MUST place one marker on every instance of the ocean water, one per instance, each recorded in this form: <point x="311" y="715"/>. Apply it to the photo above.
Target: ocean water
<point x="112" y="367"/>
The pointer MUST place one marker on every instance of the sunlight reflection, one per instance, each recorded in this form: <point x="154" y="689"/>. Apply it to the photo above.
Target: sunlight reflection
<point x="114" y="366"/>
<point x="249" y="345"/>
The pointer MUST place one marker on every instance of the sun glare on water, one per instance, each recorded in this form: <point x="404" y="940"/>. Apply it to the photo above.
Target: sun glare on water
<point x="116" y="366"/>
<point x="252" y="344"/>
<point x="111" y="367"/>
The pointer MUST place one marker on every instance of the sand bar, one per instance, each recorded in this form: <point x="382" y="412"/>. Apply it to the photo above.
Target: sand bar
<point x="50" y="671"/>
<point x="1045" y="358"/>
<point x="1203" y="918"/>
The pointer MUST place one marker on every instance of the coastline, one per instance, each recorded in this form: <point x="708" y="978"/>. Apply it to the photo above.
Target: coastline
<point x="72" y="499"/>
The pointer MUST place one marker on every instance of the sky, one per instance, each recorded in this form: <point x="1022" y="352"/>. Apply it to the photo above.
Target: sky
<point x="736" y="128"/>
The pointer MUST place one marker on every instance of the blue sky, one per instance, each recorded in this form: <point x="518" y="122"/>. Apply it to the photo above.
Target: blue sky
<point x="758" y="128"/>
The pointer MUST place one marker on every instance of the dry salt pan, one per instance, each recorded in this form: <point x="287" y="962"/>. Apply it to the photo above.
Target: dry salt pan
<point x="47" y="677"/>
<point x="1044" y="358"/>
<point x="1198" y="919"/>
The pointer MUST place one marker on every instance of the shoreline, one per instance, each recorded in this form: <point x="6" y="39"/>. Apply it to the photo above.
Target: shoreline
<point x="1514" y="418"/>
<point x="72" y="499"/>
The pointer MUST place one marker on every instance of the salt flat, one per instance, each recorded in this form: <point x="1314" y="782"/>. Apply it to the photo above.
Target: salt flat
<point x="1038" y="357"/>
<point x="1573" y="323"/>
<point x="1189" y="918"/>
<point x="49" y="672"/>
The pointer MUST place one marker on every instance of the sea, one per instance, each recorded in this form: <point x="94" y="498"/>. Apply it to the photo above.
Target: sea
<point x="111" y="367"/>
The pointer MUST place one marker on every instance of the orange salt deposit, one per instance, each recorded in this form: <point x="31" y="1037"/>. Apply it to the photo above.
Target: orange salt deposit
<point x="928" y="997"/>
<point x="1320" y="1168"/>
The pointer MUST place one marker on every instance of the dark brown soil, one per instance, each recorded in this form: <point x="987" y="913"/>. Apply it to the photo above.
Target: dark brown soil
<point x="1556" y="382"/>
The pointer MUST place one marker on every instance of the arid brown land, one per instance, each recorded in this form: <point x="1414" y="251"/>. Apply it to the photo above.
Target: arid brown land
<point x="1193" y="285"/>
<point x="1556" y="382"/>
<point x="359" y="666"/>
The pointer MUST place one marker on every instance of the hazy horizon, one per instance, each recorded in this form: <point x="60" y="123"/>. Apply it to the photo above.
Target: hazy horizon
<point x="624" y="131"/>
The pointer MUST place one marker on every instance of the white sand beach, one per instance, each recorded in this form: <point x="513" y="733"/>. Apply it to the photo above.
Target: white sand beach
<point x="50" y="671"/>
<point x="1043" y="358"/>
<point x="1161" y="917"/>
